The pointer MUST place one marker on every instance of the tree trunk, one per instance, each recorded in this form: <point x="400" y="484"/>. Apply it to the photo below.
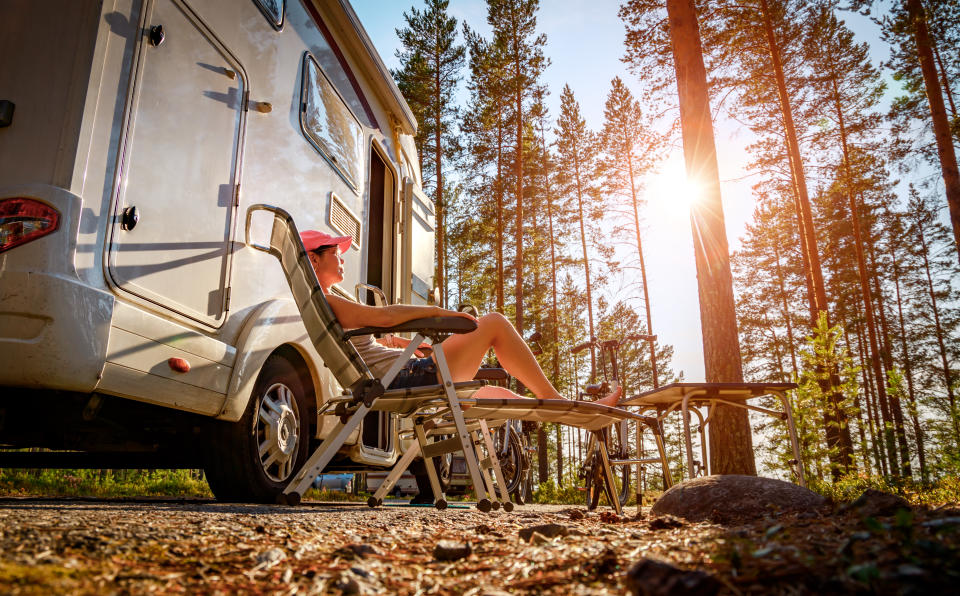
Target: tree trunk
<point x="875" y="361"/>
<point x="586" y="263"/>
<point x="837" y="432"/>
<point x="886" y="353"/>
<point x="643" y="274"/>
<point x="908" y="371"/>
<point x="786" y="313"/>
<point x="438" y="195"/>
<point x="938" y="328"/>
<point x="500" y="231"/>
<point x="553" y="294"/>
<point x="938" y="116"/>
<point x="518" y="172"/>
<point x="731" y="443"/>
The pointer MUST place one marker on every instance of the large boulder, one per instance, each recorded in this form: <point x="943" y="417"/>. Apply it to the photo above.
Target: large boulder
<point x="732" y="497"/>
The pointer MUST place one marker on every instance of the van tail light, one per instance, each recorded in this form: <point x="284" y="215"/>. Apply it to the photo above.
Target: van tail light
<point x="23" y="220"/>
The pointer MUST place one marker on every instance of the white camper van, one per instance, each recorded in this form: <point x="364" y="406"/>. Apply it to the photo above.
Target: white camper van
<point x="136" y="328"/>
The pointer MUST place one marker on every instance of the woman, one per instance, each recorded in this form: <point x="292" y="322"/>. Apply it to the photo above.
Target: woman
<point x="465" y="352"/>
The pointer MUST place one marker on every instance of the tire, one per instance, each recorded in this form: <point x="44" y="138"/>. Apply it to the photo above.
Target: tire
<point x="511" y="460"/>
<point x="274" y="420"/>
<point x="594" y="481"/>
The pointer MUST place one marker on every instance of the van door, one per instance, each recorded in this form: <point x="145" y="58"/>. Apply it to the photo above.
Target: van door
<point x="173" y="221"/>
<point x="419" y="232"/>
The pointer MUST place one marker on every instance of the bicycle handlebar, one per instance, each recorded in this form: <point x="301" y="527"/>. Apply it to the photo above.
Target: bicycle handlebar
<point x="581" y="347"/>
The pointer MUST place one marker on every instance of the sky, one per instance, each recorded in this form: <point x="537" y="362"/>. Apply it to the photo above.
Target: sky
<point x="585" y="46"/>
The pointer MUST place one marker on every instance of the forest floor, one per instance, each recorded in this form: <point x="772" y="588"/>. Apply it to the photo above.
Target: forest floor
<point x="200" y="546"/>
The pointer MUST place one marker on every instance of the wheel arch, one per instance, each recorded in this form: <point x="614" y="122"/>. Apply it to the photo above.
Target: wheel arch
<point x="275" y="327"/>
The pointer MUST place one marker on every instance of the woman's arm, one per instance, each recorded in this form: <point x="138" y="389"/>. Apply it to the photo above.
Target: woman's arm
<point x="353" y="314"/>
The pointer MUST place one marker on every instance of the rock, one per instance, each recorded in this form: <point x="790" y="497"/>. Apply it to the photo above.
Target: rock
<point x="448" y="550"/>
<point x="360" y="551"/>
<point x="665" y="522"/>
<point x="574" y="514"/>
<point x="271" y="557"/>
<point x="729" y="498"/>
<point x="649" y="577"/>
<point x="876" y="503"/>
<point x="548" y="530"/>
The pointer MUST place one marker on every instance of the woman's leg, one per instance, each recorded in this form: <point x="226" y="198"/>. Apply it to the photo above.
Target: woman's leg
<point x="465" y="353"/>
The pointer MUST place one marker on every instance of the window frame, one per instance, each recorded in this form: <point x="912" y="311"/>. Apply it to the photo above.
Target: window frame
<point x="318" y="144"/>
<point x="277" y="26"/>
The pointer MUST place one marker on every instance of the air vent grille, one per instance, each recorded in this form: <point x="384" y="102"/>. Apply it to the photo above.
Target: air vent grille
<point x="343" y="221"/>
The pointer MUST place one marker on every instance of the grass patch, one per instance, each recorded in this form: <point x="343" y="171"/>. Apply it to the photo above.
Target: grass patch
<point x="103" y="483"/>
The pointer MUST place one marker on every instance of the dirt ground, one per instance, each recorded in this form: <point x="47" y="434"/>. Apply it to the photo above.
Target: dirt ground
<point x="117" y="546"/>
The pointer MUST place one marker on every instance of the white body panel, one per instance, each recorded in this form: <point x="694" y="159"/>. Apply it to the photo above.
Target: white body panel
<point x="105" y="120"/>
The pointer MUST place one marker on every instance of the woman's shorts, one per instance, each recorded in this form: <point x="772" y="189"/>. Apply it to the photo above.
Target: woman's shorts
<point x="416" y="373"/>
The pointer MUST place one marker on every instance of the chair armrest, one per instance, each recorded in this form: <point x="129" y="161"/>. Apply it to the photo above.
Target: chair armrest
<point x="426" y="326"/>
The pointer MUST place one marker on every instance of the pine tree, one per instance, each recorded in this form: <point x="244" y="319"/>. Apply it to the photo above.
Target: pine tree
<point x="431" y="63"/>
<point x="630" y="148"/>
<point x="514" y="30"/>
<point x="576" y="163"/>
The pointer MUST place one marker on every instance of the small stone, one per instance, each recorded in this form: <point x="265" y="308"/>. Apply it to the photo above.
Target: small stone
<point x="665" y="522"/>
<point x="360" y="551"/>
<point x="574" y="514"/>
<point x="538" y="539"/>
<point x="649" y="577"/>
<point x="448" y="550"/>
<point x="271" y="557"/>
<point x="548" y="530"/>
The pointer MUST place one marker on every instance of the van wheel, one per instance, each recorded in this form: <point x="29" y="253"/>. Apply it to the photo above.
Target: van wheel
<point x="254" y="458"/>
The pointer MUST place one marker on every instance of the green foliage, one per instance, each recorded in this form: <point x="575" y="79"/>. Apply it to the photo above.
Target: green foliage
<point x="103" y="483"/>
<point x="821" y="354"/>
<point x="851" y="486"/>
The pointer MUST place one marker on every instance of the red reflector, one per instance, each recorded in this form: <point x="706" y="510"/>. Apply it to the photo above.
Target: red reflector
<point x="23" y="220"/>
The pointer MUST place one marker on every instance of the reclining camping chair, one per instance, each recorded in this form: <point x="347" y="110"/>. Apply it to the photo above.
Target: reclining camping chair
<point x="361" y="390"/>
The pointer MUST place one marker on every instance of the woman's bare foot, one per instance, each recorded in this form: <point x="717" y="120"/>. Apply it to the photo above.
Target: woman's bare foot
<point x="612" y="398"/>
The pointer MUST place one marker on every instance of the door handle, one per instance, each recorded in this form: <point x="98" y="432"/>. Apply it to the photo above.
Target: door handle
<point x="157" y="35"/>
<point x="129" y="218"/>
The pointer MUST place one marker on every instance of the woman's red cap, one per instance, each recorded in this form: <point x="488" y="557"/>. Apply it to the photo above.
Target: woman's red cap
<point x="312" y="240"/>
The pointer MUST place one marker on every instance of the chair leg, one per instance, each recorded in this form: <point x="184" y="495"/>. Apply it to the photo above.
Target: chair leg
<point x="495" y="464"/>
<point x="466" y="441"/>
<point x="608" y="475"/>
<point x="439" y="499"/>
<point x="395" y="473"/>
<point x="321" y="457"/>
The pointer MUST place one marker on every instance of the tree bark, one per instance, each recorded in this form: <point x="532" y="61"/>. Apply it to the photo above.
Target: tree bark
<point x="731" y="443"/>
<point x="938" y="116"/>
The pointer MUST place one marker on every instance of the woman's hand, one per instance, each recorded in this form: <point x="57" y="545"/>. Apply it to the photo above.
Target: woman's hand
<point x="456" y="313"/>
<point x="395" y="341"/>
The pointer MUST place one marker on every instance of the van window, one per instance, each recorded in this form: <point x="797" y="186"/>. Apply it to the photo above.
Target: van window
<point x="273" y="11"/>
<point x="329" y="124"/>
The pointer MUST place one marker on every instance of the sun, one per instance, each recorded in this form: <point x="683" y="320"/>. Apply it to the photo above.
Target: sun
<point x="670" y="193"/>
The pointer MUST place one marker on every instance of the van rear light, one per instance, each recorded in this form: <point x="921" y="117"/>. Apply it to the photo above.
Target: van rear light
<point x="23" y="220"/>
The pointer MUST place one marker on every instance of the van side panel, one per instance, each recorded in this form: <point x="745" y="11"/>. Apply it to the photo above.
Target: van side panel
<point x="47" y="84"/>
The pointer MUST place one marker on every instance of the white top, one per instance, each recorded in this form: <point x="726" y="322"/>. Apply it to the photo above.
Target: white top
<point x="378" y="358"/>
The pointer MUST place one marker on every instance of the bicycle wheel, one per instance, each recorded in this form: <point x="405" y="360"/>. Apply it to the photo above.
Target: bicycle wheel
<point x="511" y="459"/>
<point x="595" y="483"/>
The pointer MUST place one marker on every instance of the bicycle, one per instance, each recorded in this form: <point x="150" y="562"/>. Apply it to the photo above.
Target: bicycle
<point x="615" y="438"/>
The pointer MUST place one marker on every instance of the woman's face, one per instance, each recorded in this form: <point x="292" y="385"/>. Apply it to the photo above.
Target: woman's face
<point x="328" y="265"/>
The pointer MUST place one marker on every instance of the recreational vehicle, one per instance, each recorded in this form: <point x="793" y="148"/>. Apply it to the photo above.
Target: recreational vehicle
<point x="136" y="327"/>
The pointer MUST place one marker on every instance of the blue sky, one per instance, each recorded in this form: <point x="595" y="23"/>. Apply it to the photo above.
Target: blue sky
<point x="585" y="44"/>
